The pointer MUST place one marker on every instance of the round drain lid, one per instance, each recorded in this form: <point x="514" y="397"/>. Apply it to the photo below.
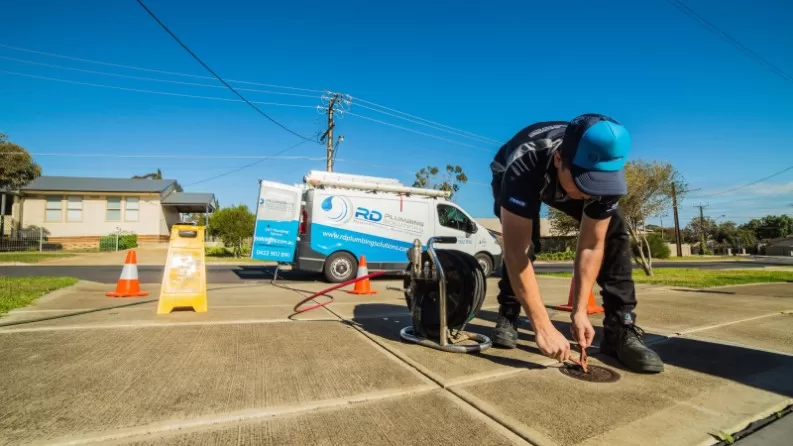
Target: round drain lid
<point x="596" y="374"/>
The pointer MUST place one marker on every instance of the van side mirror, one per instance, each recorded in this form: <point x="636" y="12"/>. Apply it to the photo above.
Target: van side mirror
<point x="472" y="227"/>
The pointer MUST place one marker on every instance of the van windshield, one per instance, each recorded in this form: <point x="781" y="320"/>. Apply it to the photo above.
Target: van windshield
<point x="451" y="217"/>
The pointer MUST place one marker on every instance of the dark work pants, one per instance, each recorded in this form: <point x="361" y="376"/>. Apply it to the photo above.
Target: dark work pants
<point x="614" y="278"/>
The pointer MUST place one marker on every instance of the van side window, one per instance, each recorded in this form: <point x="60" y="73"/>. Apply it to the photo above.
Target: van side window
<point x="451" y="217"/>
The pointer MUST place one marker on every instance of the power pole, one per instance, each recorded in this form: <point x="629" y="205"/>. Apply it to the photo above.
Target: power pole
<point x="677" y="222"/>
<point x="701" y="228"/>
<point x="336" y="102"/>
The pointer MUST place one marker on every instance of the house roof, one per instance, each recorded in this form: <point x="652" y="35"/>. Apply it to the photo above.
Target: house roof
<point x="93" y="184"/>
<point x="190" y="202"/>
<point x="493" y="224"/>
<point x="786" y="242"/>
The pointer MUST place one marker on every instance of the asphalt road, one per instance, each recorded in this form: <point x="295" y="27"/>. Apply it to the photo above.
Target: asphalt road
<point x="240" y="273"/>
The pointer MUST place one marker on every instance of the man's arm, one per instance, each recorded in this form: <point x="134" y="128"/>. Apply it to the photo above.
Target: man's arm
<point x="589" y="256"/>
<point x="517" y="234"/>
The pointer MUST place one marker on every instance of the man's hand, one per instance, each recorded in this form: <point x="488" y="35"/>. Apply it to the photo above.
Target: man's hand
<point x="581" y="329"/>
<point x="552" y="343"/>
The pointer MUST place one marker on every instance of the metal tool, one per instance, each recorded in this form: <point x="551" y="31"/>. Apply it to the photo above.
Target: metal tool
<point x="427" y="281"/>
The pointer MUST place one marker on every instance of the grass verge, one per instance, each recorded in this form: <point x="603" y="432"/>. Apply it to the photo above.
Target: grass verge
<point x="702" y="278"/>
<point x="30" y="257"/>
<point x="17" y="292"/>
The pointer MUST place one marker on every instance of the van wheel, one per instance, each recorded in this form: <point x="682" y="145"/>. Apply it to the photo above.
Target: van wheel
<point x="340" y="267"/>
<point x="485" y="263"/>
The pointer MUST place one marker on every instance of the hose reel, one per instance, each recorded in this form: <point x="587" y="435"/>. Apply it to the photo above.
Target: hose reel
<point x="444" y="290"/>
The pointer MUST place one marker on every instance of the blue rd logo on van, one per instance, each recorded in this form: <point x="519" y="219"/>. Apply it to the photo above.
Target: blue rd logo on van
<point x="368" y="214"/>
<point x="337" y="209"/>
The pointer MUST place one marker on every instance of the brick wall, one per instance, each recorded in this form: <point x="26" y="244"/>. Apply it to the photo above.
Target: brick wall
<point x="92" y="242"/>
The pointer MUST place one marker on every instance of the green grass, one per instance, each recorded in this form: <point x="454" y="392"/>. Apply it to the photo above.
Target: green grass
<point x="696" y="258"/>
<point x="17" y="292"/>
<point x="30" y="257"/>
<point x="700" y="278"/>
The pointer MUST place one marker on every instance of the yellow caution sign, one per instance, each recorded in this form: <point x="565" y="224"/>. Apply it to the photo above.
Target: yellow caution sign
<point x="184" y="278"/>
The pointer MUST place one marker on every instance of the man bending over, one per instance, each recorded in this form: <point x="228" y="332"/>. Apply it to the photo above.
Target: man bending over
<point x="577" y="168"/>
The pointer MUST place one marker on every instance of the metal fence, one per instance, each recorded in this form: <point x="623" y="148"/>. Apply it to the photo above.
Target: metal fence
<point x="26" y="240"/>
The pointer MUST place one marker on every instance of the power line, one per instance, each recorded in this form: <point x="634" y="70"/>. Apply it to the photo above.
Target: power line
<point x="160" y="156"/>
<point x="126" y="76"/>
<point x="216" y="75"/>
<point x="173" y="73"/>
<point x="235" y="170"/>
<point x="150" y="70"/>
<point x="422" y="119"/>
<point x="685" y="9"/>
<point x="475" y="138"/>
<point x="140" y="90"/>
<point x="748" y="184"/>
<point x="418" y="132"/>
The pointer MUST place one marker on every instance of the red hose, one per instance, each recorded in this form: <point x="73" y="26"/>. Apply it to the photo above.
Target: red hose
<point x="326" y="290"/>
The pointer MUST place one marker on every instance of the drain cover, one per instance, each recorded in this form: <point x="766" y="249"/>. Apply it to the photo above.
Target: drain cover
<point x="596" y="374"/>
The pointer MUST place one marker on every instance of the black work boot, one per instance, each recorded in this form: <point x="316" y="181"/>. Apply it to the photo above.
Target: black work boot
<point x="623" y="340"/>
<point x="505" y="333"/>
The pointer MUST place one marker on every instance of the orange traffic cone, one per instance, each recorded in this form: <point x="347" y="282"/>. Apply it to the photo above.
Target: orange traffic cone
<point x="128" y="284"/>
<point x="362" y="286"/>
<point x="591" y="308"/>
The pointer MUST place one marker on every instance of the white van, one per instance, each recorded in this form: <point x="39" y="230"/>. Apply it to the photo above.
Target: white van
<point x="329" y="222"/>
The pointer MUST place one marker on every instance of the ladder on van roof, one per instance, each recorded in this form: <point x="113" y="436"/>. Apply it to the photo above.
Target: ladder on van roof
<point x="318" y="178"/>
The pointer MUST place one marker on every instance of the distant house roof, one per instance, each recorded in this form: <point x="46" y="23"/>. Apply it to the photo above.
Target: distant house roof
<point x="91" y="184"/>
<point x="191" y="202"/>
<point x="786" y="242"/>
<point x="493" y="224"/>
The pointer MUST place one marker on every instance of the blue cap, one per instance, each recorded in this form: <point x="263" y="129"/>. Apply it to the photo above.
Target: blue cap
<point x="597" y="148"/>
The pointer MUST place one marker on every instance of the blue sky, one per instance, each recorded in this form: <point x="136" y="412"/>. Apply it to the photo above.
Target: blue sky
<point x="488" y="68"/>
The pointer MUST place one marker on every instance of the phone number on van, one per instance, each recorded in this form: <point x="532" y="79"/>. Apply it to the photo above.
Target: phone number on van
<point x="267" y="252"/>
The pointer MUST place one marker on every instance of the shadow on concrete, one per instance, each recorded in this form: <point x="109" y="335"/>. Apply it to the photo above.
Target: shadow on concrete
<point x="372" y="318"/>
<point x="706" y="291"/>
<point x="735" y="363"/>
<point x="739" y="364"/>
<point x="266" y="272"/>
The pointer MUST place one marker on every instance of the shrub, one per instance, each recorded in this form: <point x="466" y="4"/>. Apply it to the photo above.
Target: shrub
<point x="561" y="255"/>
<point x="659" y="248"/>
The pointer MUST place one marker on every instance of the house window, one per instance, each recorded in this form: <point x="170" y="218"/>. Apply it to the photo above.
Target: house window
<point x="131" y="212"/>
<point x="54" y="209"/>
<point x="451" y="217"/>
<point x="113" y="208"/>
<point x="74" y="209"/>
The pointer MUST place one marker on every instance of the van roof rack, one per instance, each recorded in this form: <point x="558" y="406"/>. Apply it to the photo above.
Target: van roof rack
<point x="361" y="182"/>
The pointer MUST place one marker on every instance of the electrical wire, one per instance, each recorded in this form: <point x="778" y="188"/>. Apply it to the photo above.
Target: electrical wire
<point x="217" y="76"/>
<point x="179" y="156"/>
<point x="235" y="170"/>
<point x="355" y="98"/>
<point x="746" y="185"/>
<point x="475" y="138"/>
<point x="126" y="76"/>
<point x="150" y="70"/>
<point x="416" y="131"/>
<point x="139" y="90"/>
<point x="685" y="9"/>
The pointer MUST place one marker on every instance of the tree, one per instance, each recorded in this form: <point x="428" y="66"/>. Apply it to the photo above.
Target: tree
<point x="770" y="226"/>
<point x="561" y="223"/>
<point x="708" y="226"/>
<point x="233" y="225"/>
<point x="450" y="180"/>
<point x="17" y="168"/>
<point x="729" y="234"/>
<point x="156" y="176"/>
<point x="649" y="193"/>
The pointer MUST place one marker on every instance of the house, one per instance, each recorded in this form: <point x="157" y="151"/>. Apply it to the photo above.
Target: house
<point x="76" y="211"/>
<point x="781" y="246"/>
<point x="494" y="225"/>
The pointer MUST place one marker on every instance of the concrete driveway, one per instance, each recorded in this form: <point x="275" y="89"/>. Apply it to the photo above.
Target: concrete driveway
<point x="247" y="373"/>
